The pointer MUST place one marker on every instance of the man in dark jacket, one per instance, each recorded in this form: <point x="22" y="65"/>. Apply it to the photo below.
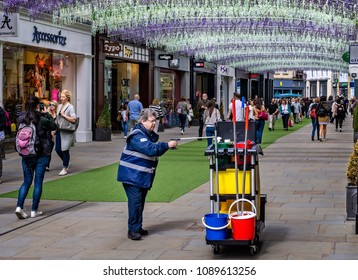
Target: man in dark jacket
<point x="137" y="168"/>
<point x="201" y="106"/>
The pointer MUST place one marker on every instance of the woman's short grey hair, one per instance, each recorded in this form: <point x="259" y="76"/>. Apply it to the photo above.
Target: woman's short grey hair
<point x="146" y="113"/>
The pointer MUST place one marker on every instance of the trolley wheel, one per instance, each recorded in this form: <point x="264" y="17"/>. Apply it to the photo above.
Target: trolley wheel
<point x="216" y="249"/>
<point x="254" y="249"/>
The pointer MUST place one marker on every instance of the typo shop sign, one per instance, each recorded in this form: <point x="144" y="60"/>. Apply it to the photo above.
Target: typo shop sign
<point x="56" y="39"/>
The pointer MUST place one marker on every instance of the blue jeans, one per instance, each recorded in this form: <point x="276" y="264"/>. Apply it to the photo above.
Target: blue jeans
<point x="260" y="125"/>
<point x="314" y="127"/>
<point x="136" y="200"/>
<point x="210" y="131"/>
<point x="182" y="119"/>
<point x="64" y="155"/>
<point x="31" y="166"/>
<point x="125" y="127"/>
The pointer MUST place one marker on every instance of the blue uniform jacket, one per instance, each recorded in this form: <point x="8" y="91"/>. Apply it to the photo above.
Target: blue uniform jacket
<point x="139" y="158"/>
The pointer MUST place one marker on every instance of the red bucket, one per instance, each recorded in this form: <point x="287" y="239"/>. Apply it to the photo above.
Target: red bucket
<point x="243" y="223"/>
<point x="241" y="145"/>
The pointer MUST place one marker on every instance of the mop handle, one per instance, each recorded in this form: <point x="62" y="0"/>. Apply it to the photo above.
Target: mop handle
<point x="217" y="173"/>
<point x="233" y="105"/>
<point x="243" y="106"/>
<point x="192" y="138"/>
<point x="245" y="157"/>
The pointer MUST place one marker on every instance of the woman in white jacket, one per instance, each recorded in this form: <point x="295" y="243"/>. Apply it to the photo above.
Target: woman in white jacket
<point x="64" y="140"/>
<point x="211" y="116"/>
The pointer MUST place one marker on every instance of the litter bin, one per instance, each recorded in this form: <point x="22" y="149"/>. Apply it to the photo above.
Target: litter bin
<point x="351" y="202"/>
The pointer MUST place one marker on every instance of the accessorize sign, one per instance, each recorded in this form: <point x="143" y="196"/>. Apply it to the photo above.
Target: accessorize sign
<point x="39" y="36"/>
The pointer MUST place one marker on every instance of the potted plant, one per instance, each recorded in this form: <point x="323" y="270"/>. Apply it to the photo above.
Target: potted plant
<point x="103" y="130"/>
<point x="355" y="125"/>
<point x="352" y="177"/>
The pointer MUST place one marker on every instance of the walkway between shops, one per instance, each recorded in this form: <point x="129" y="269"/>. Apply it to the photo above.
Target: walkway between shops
<point x="304" y="181"/>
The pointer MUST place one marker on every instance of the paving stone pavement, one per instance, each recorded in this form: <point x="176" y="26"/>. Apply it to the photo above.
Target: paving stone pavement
<point x="304" y="181"/>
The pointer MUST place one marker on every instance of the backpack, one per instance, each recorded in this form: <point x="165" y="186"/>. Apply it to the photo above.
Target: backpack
<point x="313" y="114"/>
<point x="340" y="110"/>
<point x="27" y="143"/>
<point x="322" y="112"/>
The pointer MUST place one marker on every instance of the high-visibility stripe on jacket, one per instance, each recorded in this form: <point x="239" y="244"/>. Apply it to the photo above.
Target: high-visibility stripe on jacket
<point x="139" y="158"/>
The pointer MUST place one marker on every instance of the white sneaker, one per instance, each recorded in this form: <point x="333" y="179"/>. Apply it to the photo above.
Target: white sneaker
<point x="63" y="172"/>
<point x="21" y="214"/>
<point x="36" y="213"/>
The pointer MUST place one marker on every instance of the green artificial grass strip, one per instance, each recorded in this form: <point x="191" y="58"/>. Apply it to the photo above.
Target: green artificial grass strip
<point x="179" y="171"/>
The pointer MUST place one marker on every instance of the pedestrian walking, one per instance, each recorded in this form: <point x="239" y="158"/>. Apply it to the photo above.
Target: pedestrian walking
<point x="272" y="111"/>
<point x="323" y="112"/>
<point x="134" y="108"/>
<point x="160" y="116"/>
<point x="285" y="111"/>
<point x="339" y="113"/>
<point x="238" y="108"/>
<point x="201" y="106"/>
<point x="312" y="112"/>
<point x="36" y="164"/>
<point x="258" y="109"/>
<point x="211" y="117"/>
<point x="124" y="118"/>
<point x="182" y="111"/>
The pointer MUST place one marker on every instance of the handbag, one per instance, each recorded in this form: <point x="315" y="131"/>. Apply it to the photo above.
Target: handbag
<point x="263" y="115"/>
<point x="290" y="123"/>
<point x="65" y="125"/>
<point x="119" y="117"/>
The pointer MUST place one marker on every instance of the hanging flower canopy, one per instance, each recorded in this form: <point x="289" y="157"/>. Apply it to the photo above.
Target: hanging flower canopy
<point x="255" y="36"/>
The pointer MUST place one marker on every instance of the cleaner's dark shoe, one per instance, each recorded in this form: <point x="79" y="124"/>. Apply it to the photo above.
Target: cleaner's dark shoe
<point x="134" y="235"/>
<point x="143" y="232"/>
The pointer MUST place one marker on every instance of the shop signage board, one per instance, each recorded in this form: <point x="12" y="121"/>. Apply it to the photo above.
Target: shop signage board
<point x="165" y="57"/>
<point x="353" y="54"/>
<point x="119" y="50"/>
<point x="9" y="24"/>
<point x="353" y="71"/>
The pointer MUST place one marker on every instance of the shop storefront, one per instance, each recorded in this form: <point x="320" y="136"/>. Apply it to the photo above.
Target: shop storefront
<point x="41" y="59"/>
<point x="125" y="74"/>
<point x="225" y="87"/>
<point x="205" y="79"/>
<point x="171" y="82"/>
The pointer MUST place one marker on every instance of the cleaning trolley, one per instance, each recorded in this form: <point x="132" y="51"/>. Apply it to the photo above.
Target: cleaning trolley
<point x="237" y="207"/>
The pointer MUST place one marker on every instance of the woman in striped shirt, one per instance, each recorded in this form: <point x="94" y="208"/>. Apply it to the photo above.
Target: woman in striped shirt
<point x="160" y="116"/>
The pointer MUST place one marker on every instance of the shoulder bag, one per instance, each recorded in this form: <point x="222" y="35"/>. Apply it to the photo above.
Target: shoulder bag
<point x="262" y="115"/>
<point x="65" y="125"/>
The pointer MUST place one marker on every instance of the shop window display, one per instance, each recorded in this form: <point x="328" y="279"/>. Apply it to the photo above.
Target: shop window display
<point x="167" y="99"/>
<point x="28" y="72"/>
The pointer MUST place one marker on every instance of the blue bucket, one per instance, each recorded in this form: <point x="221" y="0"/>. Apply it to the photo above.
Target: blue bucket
<point x="216" y="226"/>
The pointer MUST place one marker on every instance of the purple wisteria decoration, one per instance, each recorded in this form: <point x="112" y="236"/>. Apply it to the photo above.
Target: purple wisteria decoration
<point x="250" y="35"/>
